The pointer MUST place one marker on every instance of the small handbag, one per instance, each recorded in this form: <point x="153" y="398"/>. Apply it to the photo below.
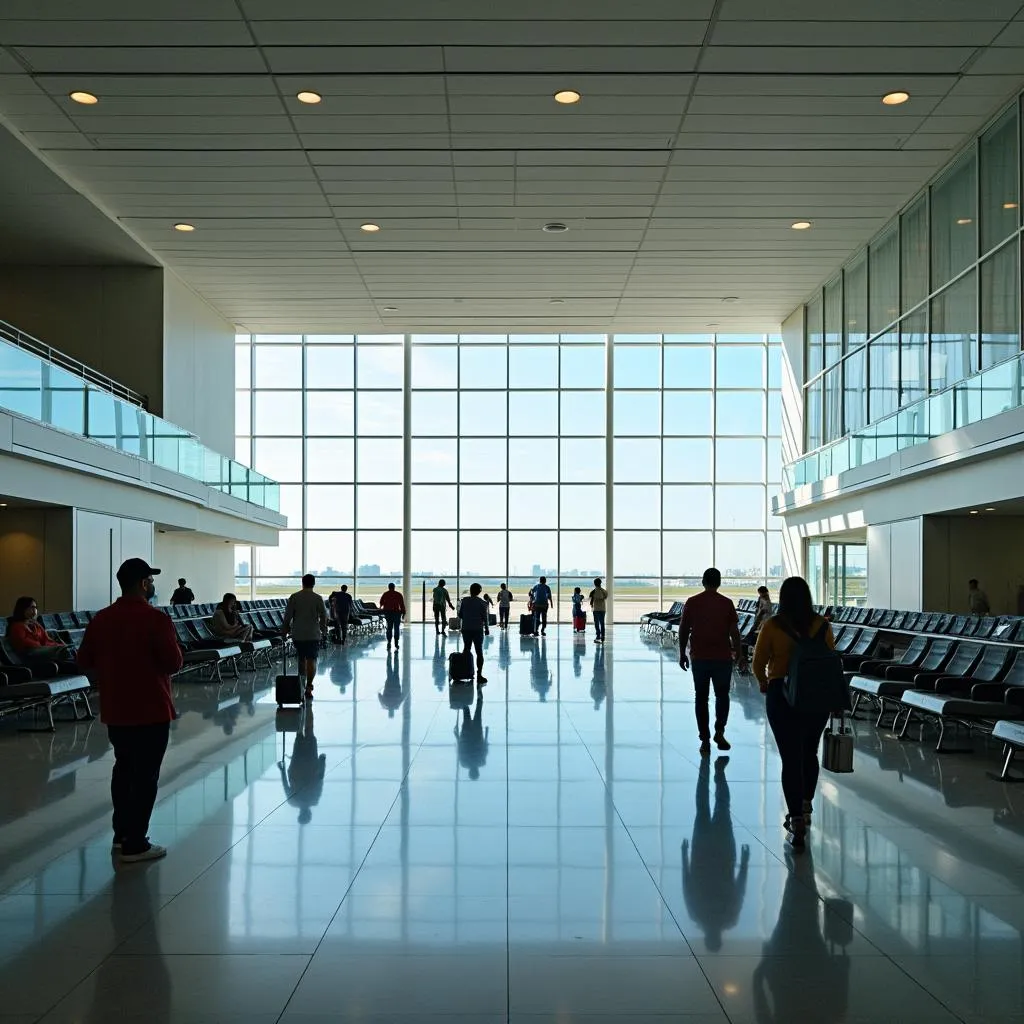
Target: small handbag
<point x="837" y="746"/>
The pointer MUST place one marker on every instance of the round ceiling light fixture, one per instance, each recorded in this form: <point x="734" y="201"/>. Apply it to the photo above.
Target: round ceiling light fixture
<point x="369" y="227"/>
<point x="555" y="227"/>
<point x="87" y="99"/>
<point x="567" y="97"/>
<point x="308" y="96"/>
<point x="894" y="99"/>
<point x="800" y="225"/>
<point x="390" y="309"/>
<point x="1009" y="206"/>
<point x="730" y="298"/>
<point x="557" y="302"/>
<point x="184" y="226"/>
<point x="963" y="221"/>
<point x="973" y="512"/>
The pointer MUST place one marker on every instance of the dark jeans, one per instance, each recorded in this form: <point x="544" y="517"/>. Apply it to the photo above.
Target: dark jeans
<point x="138" y="753"/>
<point x="540" y="617"/>
<point x="474" y="638"/>
<point x="797" y="735"/>
<point x="503" y="610"/>
<point x="440" y="621"/>
<point x="599" y="625"/>
<point x="342" y="625"/>
<point x="708" y="673"/>
<point x="393" y="624"/>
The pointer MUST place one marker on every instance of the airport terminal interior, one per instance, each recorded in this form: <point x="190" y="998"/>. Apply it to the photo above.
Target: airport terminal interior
<point x="591" y="296"/>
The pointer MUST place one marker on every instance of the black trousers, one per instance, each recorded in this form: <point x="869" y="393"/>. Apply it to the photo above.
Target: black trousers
<point x="503" y="610"/>
<point x="474" y="639"/>
<point x="138" y="753"/>
<point x="440" y="622"/>
<point x="797" y="735"/>
<point x="393" y="624"/>
<point x="708" y="673"/>
<point x="540" y="617"/>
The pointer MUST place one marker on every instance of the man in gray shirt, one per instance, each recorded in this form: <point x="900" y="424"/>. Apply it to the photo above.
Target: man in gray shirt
<point x="473" y="613"/>
<point x="305" y="617"/>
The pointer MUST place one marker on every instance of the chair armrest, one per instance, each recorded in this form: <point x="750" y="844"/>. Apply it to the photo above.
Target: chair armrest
<point x="989" y="691"/>
<point x="1014" y="695"/>
<point x="901" y="673"/>
<point x="16" y="673"/>
<point x="954" y="685"/>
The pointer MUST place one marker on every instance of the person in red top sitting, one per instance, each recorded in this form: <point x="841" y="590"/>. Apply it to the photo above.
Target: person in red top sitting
<point x="28" y="638"/>
<point x="130" y="652"/>
<point x="711" y="626"/>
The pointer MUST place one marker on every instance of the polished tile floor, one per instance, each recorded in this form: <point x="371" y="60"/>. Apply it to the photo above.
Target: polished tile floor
<point x="553" y="851"/>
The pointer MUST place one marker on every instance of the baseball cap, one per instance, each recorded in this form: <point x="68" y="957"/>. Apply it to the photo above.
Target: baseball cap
<point x="134" y="570"/>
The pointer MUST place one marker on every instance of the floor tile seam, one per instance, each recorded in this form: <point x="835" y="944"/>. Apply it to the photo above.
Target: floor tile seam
<point x="362" y="864"/>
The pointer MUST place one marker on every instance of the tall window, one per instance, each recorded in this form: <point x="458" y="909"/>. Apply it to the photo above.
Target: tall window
<point x="509" y="473"/>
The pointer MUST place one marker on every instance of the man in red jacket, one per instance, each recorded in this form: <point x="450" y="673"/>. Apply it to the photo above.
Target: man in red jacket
<point x="130" y="652"/>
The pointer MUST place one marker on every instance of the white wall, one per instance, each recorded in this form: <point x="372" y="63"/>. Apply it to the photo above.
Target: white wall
<point x="102" y="543"/>
<point x="198" y="367"/>
<point x="110" y="318"/>
<point x="895" y="558"/>
<point x="986" y="548"/>
<point x="792" y="424"/>
<point x="36" y="557"/>
<point x="206" y="562"/>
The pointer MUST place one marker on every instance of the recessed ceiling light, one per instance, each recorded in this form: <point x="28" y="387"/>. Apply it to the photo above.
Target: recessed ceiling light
<point x="963" y="220"/>
<point x="183" y="226"/>
<point x="730" y="298"/>
<point x="555" y="227"/>
<point x="390" y="309"/>
<point x="567" y="96"/>
<point x="557" y="302"/>
<point x="894" y="99"/>
<point x="800" y="225"/>
<point x="973" y="512"/>
<point x="714" y="323"/>
<point x="369" y="227"/>
<point x="87" y="99"/>
<point x="308" y="96"/>
<point x="3" y="504"/>
<point x="990" y="510"/>
<point x="1009" y="206"/>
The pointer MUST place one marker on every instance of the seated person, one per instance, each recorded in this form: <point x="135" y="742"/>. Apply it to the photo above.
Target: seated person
<point x="28" y="638"/>
<point x="227" y="623"/>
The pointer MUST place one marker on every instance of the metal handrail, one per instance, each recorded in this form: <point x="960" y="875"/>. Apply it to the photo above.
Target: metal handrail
<point x="25" y="341"/>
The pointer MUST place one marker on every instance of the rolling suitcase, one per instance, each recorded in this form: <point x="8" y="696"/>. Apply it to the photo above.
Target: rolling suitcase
<point x="461" y="666"/>
<point x="455" y="624"/>
<point x="287" y="689"/>
<point x="526" y="625"/>
<point x="492" y="620"/>
<point x="579" y="622"/>
<point x="837" y="746"/>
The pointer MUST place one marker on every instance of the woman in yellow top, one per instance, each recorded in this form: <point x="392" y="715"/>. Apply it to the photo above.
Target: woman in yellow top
<point x="797" y="732"/>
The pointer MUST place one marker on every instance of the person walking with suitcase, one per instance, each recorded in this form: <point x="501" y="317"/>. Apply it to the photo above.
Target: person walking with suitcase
<point x="473" y="616"/>
<point x="504" y="604"/>
<point x="341" y="605"/>
<point x="579" y="616"/>
<point x="598" y="601"/>
<point x="711" y="626"/>
<point x="541" y="596"/>
<point x="797" y="642"/>
<point x="392" y="604"/>
<point x="441" y="601"/>
<point x="305" y="617"/>
<point x="130" y="652"/>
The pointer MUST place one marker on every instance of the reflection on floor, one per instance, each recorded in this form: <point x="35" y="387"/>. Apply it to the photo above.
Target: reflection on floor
<point x="553" y="849"/>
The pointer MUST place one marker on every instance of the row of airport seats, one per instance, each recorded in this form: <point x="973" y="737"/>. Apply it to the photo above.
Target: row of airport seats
<point x="664" y="626"/>
<point x="27" y="685"/>
<point x="934" y="668"/>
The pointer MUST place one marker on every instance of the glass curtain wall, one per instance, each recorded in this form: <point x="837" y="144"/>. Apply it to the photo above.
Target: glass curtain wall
<point x="510" y="475"/>
<point x="934" y="299"/>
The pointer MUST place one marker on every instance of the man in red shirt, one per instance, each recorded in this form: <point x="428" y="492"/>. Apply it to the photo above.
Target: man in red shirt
<point x="392" y="604"/>
<point x="711" y="626"/>
<point x="130" y="652"/>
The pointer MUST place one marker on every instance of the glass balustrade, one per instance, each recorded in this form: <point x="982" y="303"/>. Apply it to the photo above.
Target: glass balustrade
<point x="37" y="389"/>
<point x="980" y="397"/>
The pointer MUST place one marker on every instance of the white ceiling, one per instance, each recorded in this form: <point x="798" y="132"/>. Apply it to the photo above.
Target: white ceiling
<point x="706" y="128"/>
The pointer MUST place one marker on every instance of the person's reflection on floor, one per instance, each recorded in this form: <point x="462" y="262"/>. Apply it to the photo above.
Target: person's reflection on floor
<point x="598" y="684"/>
<point x="392" y="696"/>
<point x="504" y="651"/>
<point x="303" y="779"/>
<point x="712" y="887"/>
<point x="579" y="648"/>
<point x="439" y="663"/>
<point x="540" y="676"/>
<point x="341" y="668"/>
<point x="779" y="990"/>
<point x="472" y="738"/>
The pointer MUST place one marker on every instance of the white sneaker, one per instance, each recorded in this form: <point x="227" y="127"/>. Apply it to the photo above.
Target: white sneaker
<point x="152" y="852"/>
